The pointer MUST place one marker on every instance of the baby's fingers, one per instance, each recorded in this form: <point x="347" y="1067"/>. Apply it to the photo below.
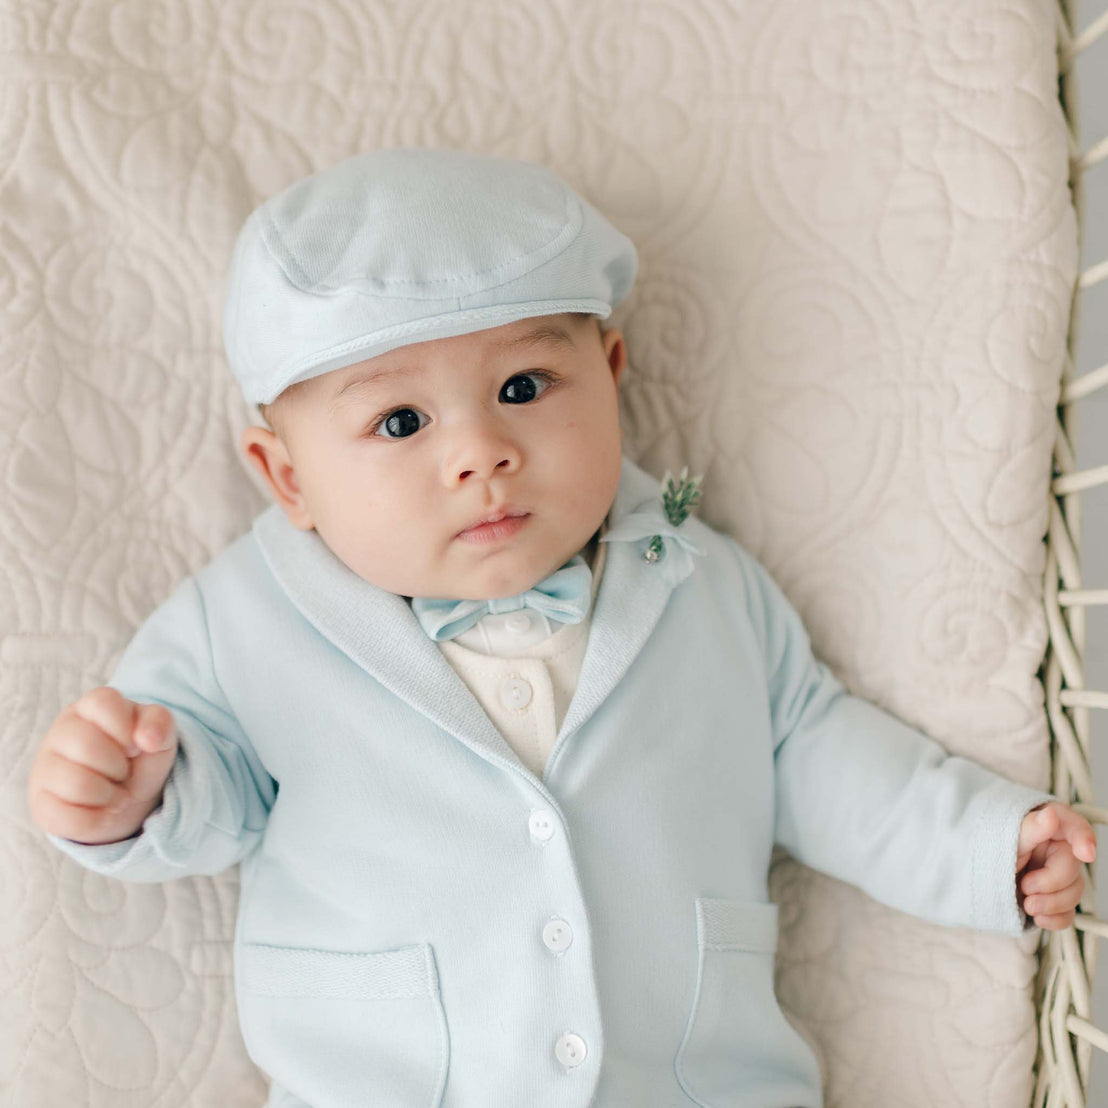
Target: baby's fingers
<point x="71" y="821"/>
<point x="80" y="741"/>
<point x="109" y="710"/>
<point x="1057" y="871"/>
<point x="154" y="728"/>
<point x="1055" y="923"/>
<point x="78" y="784"/>
<point x="1048" y="904"/>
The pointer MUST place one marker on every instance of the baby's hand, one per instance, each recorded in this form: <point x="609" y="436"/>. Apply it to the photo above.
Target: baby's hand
<point x="1053" y="842"/>
<point x="100" y="768"/>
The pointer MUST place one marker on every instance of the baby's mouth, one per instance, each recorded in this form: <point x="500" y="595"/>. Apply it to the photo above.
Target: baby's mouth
<point x="506" y="512"/>
<point x="497" y="526"/>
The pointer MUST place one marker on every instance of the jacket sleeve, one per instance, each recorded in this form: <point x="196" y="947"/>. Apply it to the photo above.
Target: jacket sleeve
<point x="218" y="794"/>
<point x="862" y="796"/>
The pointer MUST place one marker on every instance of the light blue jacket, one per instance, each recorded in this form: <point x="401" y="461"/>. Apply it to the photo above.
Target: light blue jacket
<point x="425" y="922"/>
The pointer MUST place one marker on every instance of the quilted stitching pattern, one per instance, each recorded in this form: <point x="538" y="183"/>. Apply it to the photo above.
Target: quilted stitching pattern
<point x="857" y="251"/>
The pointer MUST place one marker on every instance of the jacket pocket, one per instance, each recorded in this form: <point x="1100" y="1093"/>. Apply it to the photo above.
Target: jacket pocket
<point x="346" y="1029"/>
<point x="737" y="1040"/>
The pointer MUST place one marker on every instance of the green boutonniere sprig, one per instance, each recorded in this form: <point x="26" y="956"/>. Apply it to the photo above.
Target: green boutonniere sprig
<point x="655" y="527"/>
<point x="678" y="499"/>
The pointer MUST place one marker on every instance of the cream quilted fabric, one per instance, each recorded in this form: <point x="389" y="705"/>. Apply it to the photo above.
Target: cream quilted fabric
<point x="857" y="253"/>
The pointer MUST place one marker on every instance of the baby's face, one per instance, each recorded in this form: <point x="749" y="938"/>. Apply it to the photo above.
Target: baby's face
<point x="391" y="460"/>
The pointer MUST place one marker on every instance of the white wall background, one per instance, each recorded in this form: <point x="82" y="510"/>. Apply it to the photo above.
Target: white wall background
<point x="1092" y="450"/>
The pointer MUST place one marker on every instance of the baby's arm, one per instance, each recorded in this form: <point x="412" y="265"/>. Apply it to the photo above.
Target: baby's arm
<point x="217" y="796"/>
<point x="866" y="798"/>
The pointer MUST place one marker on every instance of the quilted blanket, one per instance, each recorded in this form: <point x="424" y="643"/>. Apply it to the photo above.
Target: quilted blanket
<point x="857" y="253"/>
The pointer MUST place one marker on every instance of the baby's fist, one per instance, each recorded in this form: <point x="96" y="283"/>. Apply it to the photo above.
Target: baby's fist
<point x="101" y="766"/>
<point x="1054" y="840"/>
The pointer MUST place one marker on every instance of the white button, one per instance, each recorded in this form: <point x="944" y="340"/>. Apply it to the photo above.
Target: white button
<point x="515" y="693"/>
<point x="570" y="1049"/>
<point x="518" y="622"/>
<point x="541" y="825"/>
<point x="557" y="934"/>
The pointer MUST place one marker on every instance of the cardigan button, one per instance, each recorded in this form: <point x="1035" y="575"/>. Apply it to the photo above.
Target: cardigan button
<point x="515" y="693"/>
<point x="557" y="935"/>
<point x="570" y="1049"/>
<point x="518" y="622"/>
<point x="541" y="825"/>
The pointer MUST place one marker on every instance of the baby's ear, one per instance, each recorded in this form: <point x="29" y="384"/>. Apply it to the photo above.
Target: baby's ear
<point x="267" y="453"/>
<point x="615" y="349"/>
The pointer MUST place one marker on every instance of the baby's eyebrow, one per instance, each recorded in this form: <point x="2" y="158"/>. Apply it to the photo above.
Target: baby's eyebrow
<point x="548" y="334"/>
<point x="367" y="378"/>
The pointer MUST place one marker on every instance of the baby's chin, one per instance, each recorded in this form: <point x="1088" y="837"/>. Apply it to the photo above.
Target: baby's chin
<point x="492" y="590"/>
<point x="489" y="582"/>
<point x="467" y="573"/>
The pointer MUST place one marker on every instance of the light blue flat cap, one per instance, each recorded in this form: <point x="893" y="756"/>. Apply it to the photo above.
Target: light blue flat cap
<point x="408" y="244"/>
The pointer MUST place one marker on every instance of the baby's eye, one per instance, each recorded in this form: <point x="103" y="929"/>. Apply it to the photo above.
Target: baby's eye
<point x="521" y="393"/>
<point x="400" y="423"/>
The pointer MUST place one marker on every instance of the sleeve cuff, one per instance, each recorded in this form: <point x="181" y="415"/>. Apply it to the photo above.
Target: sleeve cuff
<point x="94" y="856"/>
<point x="109" y="859"/>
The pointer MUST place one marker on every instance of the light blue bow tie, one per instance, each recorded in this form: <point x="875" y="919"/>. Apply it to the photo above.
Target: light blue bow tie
<point x="564" y="596"/>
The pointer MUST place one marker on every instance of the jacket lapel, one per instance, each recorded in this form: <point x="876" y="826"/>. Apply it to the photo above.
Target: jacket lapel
<point x="379" y="631"/>
<point x="629" y="601"/>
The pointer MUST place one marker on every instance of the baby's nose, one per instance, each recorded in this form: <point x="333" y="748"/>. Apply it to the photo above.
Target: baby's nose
<point x="482" y="453"/>
<point x="484" y="471"/>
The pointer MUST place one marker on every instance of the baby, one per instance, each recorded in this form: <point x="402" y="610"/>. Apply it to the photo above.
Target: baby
<point x="502" y="736"/>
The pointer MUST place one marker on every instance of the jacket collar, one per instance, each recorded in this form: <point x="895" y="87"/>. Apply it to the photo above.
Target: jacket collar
<point x="379" y="631"/>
